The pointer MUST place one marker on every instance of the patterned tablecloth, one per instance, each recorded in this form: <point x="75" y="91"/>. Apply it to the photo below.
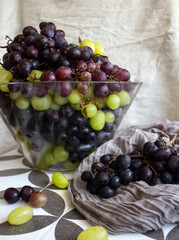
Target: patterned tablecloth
<point x="57" y="219"/>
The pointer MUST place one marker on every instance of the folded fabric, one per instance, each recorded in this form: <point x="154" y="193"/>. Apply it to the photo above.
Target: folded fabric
<point x="137" y="207"/>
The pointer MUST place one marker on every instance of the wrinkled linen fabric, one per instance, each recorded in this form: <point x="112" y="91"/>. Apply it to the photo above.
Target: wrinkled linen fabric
<point x="137" y="207"/>
<point x="141" y="36"/>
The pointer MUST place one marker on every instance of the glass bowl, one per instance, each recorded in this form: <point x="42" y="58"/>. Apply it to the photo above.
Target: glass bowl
<point x="58" y="124"/>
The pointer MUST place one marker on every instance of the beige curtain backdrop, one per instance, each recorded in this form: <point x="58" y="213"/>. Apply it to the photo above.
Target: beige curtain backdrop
<point x="139" y="35"/>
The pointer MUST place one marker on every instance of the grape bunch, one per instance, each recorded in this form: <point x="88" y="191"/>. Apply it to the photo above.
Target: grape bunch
<point x="62" y="99"/>
<point x="154" y="163"/>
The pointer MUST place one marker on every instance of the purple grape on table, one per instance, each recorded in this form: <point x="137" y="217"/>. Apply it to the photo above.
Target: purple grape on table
<point x="25" y="192"/>
<point x="11" y="195"/>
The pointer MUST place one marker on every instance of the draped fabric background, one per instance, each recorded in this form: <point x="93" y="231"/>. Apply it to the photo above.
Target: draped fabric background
<point x="141" y="36"/>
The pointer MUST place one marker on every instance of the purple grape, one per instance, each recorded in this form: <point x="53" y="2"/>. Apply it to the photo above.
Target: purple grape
<point x="29" y="40"/>
<point x="162" y="154"/>
<point x="48" y="32"/>
<point x="29" y="30"/>
<point x="52" y="58"/>
<point x="37" y="144"/>
<point x="115" y="182"/>
<point x="126" y="176"/>
<point x="107" y="158"/>
<point x="48" y="76"/>
<point x="106" y="192"/>
<point x="97" y="167"/>
<point x="11" y="195"/>
<point x="74" y="53"/>
<point x="102" y="178"/>
<point x="64" y="88"/>
<point x="101" y="90"/>
<point x="19" y="38"/>
<point x="25" y="192"/>
<point x="17" y="47"/>
<point x="149" y="149"/>
<point x="15" y="58"/>
<point x="122" y="75"/>
<point x="166" y="177"/>
<point x="155" y="181"/>
<point x="145" y="174"/>
<point x="99" y="76"/>
<point x="14" y="87"/>
<point x="25" y="67"/>
<point x="173" y="164"/>
<point x="32" y="52"/>
<point x="107" y="67"/>
<point x="40" y="42"/>
<point x="86" y="176"/>
<point x="40" y="90"/>
<point x="123" y="162"/>
<point x="59" y="41"/>
<point x="27" y="90"/>
<point x="52" y="115"/>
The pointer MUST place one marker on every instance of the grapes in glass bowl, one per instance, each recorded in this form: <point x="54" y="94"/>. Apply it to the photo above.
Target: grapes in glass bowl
<point x="61" y="100"/>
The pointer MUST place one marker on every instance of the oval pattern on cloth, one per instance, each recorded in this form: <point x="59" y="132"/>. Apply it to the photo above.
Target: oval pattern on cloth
<point x="38" y="178"/>
<point x="74" y="214"/>
<point x="62" y="229"/>
<point x="13" y="172"/>
<point x="37" y="222"/>
<point x="138" y="207"/>
<point x="55" y="204"/>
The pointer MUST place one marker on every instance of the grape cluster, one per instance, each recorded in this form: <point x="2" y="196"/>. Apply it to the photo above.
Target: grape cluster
<point x="155" y="163"/>
<point x="63" y="100"/>
<point x="28" y="194"/>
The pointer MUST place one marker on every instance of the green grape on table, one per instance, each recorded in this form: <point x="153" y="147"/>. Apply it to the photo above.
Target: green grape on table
<point x="93" y="233"/>
<point x="60" y="180"/>
<point x="41" y="103"/>
<point x="98" y="121"/>
<point x="20" y="215"/>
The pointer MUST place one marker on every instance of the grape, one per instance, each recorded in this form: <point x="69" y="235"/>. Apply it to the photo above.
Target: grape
<point x="40" y="42"/>
<point x="166" y="177"/>
<point x="48" y="76"/>
<point x="42" y="103"/>
<point x="32" y="52"/>
<point x="113" y="101"/>
<point x="19" y="38"/>
<point x="88" y="43"/>
<point x="85" y="76"/>
<point x="145" y="174"/>
<point x="25" y="192"/>
<point x="149" y="149"/>
<point x="53" y="58"/>
<point x="84" y="148"/>
<point x="91" y="66"/>
<point x="67" y="110"/>
<point x="74" y="97"/>
<point x="11" y="195"/>
<point x="173" y="164"/>
<point x="22" y="103"/>
<point x="83" y="132"/>
<point x="162" y="154"/>
<point x="124" y="97"/>
<point x="101" y="90"/>
<point x="15" y="58"/>
<point x="99" y="75"/>
<point x="154" y="181"/>
<point x="107" y="158"/>
<point x="25" y="68"/>
<point x="122" y="75"/>
<point x="94" y="233"/>
<point x="20" y="215"/>
<point x="52" y="115"/>
<point x="29" y="30"/>
<point x="97" y="167"/>
<point x="123" y="162"/>
<point x="82" y="88"/>
<point x="102" y="178"/>
<point x="106" y="192"/>
<point x="37" y="144"/>
<point x="126" y="176"/>
<point x="158" y="143"/>
<point x="106" y="67"/>
<point x="48" y="32"/>
<point x="60" y="154"/>
<point x="14" y="87"/>
<point x="158" y="166"/>
<point x="109" y="117"/>
<point x="60" y="180"/>
<point x="115" y="182"/>
<point x="74" y="53"/>
<point x="35" y="74"/>
<point x="60" y="100"/>
<point x="98" y="48"/>
<point x="74" y="157"/>
<point x="136" y="164"/>
<point x="92" y="187"/>
<point x="59" y="41"/>
<point x="98" y="121"/>
<point x="89" y="111"/>
<point x="86" y="176"/>
<point x="38" y="199"/>
<point x="114" y="87"/>
<point x="63" y="73"/>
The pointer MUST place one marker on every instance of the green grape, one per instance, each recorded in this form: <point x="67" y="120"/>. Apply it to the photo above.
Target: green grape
<point x="124" y="98"/>
<point x="90" y="93"/>
<point x="68" y="165"/>
<point x="41" y="163"/>
<point x="60" y="154"/>
<point x="99" y="49"/>
<point x="41" y="103"/>
<point x="89" y="111"/>
<point x="60" y="100"/>
<point x="113" y="101"/>
<point x="20" y="215"/>
<point x="50" y="159"/>
<point x="55" y="106"/>
<point x="59" y="180"/>
<point x="5" y="77"/>
<point x="76" y="106"/>
<point x="22" y="103"/>
<point x="109" y="117"/>
<point x="88" y="43"/>
<point x="15" y="95"/>
<point x="34" y="75"/>
<point x="100" y="102"/>
<point x="93" y="233"/>
<point x="74" y="97"/>
<point x="98" y="121"/>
